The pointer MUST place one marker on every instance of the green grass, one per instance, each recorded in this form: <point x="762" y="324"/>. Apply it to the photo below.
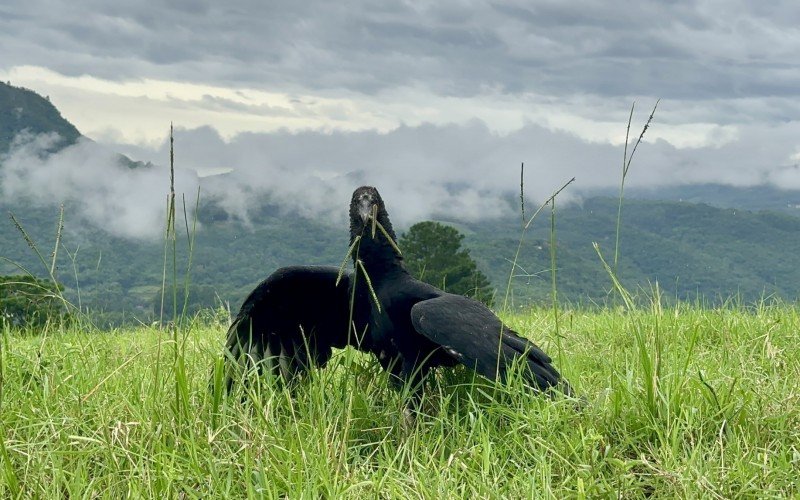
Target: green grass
<point x="681" y="402"/>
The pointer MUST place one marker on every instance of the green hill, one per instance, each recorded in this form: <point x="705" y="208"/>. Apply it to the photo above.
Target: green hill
<point x="759" y="197"/>
<point x="691" y="250"/>
<point x="23" y="109"/>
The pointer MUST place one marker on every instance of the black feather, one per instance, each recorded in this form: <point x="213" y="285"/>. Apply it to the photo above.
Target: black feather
<point x="293" y="319"/>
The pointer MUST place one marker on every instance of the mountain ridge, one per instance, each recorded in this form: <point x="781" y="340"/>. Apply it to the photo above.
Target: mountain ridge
<point x="23" y="109"/>
<point x="693" y="250"/>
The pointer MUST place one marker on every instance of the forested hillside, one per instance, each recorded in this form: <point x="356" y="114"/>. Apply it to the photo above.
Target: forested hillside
<point x="23" y="109"/>
<point x="692" y="250"/>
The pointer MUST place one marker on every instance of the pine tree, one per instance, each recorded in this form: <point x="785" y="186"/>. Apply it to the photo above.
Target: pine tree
<point x="433" y="254"/>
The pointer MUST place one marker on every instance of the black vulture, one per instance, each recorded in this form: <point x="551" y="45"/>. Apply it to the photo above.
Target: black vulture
<point x="292" y="319"/>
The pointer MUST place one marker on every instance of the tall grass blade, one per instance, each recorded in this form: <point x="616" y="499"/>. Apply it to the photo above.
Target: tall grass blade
<point x="59" y="230"/>
<point x="522" y="237"/>
<point x="522" y="191"/>
<point x="386" y="235"/>
<point x="626" y="165"/>
<point x="369" y="284"/>
<point x="50" y="268"/>
<point x="553" y="277"/>
<point x="347" y="258"/>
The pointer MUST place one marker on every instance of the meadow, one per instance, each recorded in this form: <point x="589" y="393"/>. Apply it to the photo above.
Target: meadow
<point x="678" y="401"/>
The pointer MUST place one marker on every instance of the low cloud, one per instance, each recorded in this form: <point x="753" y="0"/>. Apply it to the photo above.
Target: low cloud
<point x="465" y="172"/>
<point x="124" y="202"/>
<point x="469" y="171"/>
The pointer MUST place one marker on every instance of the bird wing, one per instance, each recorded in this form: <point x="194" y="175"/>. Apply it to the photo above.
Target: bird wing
<point x="291" y="320"/>
<point x="468" y="331"/>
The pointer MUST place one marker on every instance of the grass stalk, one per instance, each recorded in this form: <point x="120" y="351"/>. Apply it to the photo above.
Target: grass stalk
<point x="626" y="165"/>
<point x="73" y="257"/>
<point x="50" y="268"/>
<point x="59" y="230"/>
<point x="522" y="238"/>
<point x="522" y="191"/>
<point x="554" y="279"/>
<point x="649" y="352"/>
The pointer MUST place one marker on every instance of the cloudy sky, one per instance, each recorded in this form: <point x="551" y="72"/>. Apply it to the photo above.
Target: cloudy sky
<point x="436" y="103"/>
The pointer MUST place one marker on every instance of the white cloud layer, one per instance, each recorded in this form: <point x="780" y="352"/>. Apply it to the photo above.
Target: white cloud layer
<point x="125" y="202"/>
<point x="459" y="171"/>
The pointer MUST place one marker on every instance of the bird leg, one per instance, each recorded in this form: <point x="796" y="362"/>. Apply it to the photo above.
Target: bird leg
<point x="413" y="381"/>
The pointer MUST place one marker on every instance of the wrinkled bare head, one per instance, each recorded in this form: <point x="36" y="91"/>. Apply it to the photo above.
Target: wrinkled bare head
<point x="365" y="204"/>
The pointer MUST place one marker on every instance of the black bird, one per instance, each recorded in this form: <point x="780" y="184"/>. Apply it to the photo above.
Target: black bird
<point x="292" y="319"/>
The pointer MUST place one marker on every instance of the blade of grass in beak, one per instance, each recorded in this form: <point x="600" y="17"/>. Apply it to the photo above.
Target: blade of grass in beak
<point x="346" y="257"/>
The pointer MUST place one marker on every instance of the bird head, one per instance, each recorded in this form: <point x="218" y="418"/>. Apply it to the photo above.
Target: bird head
<point x="365" y="205"/>
<point x="366" y="202"/>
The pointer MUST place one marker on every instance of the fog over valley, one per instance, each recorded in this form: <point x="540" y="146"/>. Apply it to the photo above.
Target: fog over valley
<point x="464" y="172"/>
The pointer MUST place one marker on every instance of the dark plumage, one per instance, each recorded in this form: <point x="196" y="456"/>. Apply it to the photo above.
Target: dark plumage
<point x="290" y="321"/>
<point x="294" y="317"/>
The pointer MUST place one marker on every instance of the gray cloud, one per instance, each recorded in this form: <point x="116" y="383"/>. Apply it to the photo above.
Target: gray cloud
<point x="674" y="50"/>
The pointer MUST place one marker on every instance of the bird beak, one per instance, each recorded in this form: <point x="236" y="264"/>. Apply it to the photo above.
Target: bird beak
<point x="365" y="209"/>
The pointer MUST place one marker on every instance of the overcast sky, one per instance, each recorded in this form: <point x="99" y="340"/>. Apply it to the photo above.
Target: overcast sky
<point x="436" y="103"/>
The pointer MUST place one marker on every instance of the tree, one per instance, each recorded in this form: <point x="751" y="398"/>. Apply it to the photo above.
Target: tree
<point x="433" y="254"/>
<point x="29" y="301"/>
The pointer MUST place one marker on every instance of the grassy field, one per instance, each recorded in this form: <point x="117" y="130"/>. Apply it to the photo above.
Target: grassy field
<point x="681" y="402"/>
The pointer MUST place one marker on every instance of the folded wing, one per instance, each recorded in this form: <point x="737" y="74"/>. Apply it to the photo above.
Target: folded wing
<point x="472" y="334"/>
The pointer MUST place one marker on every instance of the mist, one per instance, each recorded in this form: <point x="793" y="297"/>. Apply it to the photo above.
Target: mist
<point x="465" y="172"/>
<point x="124" y="202"/>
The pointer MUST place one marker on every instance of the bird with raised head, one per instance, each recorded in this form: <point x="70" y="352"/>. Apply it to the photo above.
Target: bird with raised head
<point x="293" y="319"/>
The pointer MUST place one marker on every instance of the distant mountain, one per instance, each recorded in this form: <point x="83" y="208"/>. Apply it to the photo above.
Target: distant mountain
<point x="692" y="250"/>
<point x="22" y="109"/>
<point x="760" y="197"/>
